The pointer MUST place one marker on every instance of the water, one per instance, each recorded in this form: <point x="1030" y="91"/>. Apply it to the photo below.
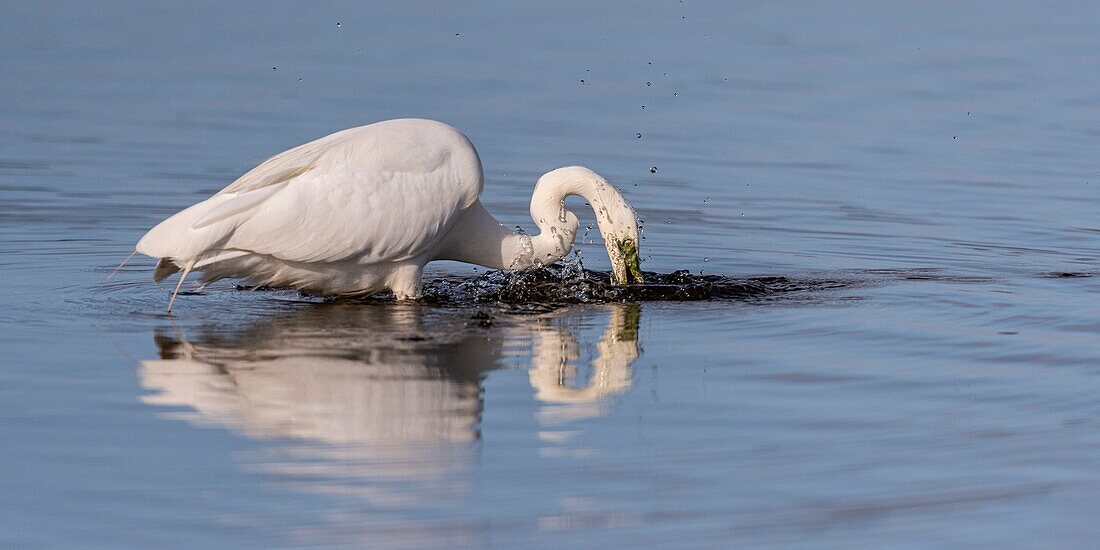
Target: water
<point x="904" y="201"/>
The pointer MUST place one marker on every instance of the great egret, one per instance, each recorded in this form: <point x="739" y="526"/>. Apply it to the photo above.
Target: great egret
<point x="363" y="210"/>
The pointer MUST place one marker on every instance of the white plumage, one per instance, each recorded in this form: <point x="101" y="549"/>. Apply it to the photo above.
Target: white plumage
<point x="363" y="210"/>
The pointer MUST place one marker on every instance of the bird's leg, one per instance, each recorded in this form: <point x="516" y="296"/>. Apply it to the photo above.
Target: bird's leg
<point x="404" y="281"/>
<point x="186" y="271"/>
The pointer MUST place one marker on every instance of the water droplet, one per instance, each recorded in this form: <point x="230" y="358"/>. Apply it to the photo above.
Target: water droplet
<point x="274" y="68"/>
<point x="675" y="94"/>
<point x="582" y="81"/>
<point x="337" y="24"/>
<point x="653" y="170"/>
<point x="706" y="200"/>
<point x="456" y="35"/>
<point x="954" y="137"/>
<point x="638" y="135"/>
<point x="706" y="259"/>
<point x="648" y="83"/>
<point x="643" y="107"/>
<point x="968" y="113"/>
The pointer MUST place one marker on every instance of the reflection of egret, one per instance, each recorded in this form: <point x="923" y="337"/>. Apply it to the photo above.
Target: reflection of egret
<point x="383" y="401"/>
<point x="556" y="376"/>
<point x="391" y="403"/>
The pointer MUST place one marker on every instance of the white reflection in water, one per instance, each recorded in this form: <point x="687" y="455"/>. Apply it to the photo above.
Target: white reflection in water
<point x="560" y="386"/>
<point x="384" y="402"/>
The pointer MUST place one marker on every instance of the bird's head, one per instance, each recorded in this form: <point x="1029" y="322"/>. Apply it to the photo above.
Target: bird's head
<point x="622" y="249"/>
<point x="619" y="227"/>
<point x="615" y="217"/>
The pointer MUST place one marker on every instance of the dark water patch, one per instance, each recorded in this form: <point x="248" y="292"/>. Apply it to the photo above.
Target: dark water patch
<point x="1066" y="275"/>
<point x="565" y="285"/>
<point x="22" y="165"/>
<point x="79" y="140"/>
<point x="925" y="274"/>
<point x="545" y="289"/>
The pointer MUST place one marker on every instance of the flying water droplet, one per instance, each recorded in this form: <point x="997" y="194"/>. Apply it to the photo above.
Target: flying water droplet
<point x="337" y="24"/>
<point x="638" y="135"/>
<point x="706" y="259"/>
<point x="653" y="170"/>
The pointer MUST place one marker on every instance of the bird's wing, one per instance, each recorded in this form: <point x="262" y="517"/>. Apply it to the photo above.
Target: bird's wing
<point x="376" y="193"/>
<point x="373" y="216"/>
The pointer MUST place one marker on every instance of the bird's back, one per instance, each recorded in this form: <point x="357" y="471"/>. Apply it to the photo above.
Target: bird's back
<point x="384" y="192"/>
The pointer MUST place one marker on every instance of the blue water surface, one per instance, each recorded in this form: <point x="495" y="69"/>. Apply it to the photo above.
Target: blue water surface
<point x="932" y="170"/>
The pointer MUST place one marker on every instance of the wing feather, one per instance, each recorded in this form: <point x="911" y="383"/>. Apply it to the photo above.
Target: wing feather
<point x="241" y="203"/>
<point x="379" y="193"/>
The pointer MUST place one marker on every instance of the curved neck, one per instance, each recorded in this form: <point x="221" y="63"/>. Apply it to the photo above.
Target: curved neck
<point x="479" y="238"/>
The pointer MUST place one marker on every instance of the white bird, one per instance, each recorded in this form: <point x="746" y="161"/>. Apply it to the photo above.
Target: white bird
<point x="363" y="210"/>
